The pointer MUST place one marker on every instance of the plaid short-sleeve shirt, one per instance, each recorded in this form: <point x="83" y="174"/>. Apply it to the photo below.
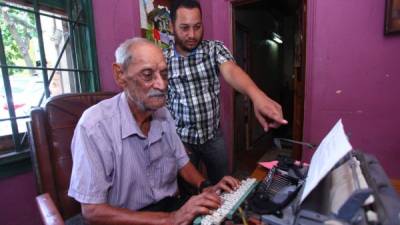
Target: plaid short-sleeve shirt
<point x="193" y="90"/>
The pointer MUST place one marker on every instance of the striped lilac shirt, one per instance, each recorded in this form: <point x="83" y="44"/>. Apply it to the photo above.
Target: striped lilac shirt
<point x="114" y="163"/>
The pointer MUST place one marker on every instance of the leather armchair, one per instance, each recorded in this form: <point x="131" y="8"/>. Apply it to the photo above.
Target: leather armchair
<point x="50" y="134"/>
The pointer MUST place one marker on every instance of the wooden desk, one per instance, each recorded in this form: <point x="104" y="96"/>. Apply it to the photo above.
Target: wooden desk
<point x="259" y="173"/>
<point x="396" y="184"/>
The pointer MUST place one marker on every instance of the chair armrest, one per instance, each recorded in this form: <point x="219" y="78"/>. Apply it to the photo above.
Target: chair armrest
<point x="48" y="210"/>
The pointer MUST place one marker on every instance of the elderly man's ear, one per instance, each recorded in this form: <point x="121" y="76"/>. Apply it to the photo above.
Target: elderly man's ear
<point x="118" y="75"/>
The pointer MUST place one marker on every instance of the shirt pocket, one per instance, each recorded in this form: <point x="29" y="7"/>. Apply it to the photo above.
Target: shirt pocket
<point x="168" y="170"/>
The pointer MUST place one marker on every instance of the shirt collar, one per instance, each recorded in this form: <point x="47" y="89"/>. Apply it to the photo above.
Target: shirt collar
<point x="172" y="52"/>
<point x="130" y="127"/>
<point x="176" y="53"/>
<point x="128" y="123"/>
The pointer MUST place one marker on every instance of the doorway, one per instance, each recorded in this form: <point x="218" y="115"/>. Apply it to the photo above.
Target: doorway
<point x="269" y="44"/>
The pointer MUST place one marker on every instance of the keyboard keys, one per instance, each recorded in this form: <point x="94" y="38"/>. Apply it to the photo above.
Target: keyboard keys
<point x="230" y="202"/>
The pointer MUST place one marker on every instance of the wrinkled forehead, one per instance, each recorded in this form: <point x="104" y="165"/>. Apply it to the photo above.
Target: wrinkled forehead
<point x="147" y="54"/>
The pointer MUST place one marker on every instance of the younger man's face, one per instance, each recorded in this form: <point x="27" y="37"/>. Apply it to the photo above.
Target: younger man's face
<point x="188" y="29"/>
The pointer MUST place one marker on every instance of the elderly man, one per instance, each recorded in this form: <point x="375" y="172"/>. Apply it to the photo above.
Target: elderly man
<point x="127" y="155"/>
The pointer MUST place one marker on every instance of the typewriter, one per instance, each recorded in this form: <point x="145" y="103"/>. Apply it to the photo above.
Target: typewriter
<point x="340" y="187"/>
<point x="356" y="191"/>
<point x="278" y="188"/>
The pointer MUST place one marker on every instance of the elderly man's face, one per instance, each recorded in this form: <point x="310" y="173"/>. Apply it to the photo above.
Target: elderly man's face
<point x="146" y="78"/>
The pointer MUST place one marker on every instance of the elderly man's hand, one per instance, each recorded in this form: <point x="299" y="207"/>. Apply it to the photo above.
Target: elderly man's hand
<point x="226" y="184"/>
<point x="268" y="112"/>
<point x="203" y="203"/>
<point x="198" y="205"/>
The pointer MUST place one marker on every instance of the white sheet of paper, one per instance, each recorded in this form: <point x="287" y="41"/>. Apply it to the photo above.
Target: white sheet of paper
<point x="332" y="148"/>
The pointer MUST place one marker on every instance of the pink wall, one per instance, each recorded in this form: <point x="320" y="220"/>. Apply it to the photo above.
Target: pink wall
<point x="352" y="71"/>
<point x="217" y="24"/>
<point x="351" y="74"/>
<point x="18" y="205"/>
<point x="115" y="21"/>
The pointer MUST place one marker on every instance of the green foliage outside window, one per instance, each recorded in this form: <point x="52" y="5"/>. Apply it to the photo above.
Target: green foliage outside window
<point x="18" y="29"/>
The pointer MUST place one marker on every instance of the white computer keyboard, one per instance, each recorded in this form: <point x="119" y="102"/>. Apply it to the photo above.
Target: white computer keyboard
<point x="230" y="203"/>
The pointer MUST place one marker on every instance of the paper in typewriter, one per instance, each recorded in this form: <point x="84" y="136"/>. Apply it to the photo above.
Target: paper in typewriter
<point x="332" y="148"/>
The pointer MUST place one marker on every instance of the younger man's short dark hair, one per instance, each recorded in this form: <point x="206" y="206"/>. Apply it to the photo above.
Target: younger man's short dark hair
<point x="189" y="4"/>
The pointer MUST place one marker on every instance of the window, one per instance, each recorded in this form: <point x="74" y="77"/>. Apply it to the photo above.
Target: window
<point x="47" y="48"/>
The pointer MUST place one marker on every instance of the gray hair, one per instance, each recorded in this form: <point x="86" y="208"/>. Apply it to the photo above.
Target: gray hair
<point x="123" y="56"/>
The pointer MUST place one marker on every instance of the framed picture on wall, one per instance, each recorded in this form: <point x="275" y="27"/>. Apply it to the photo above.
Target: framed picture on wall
<point x="154" y="21"/>
<point x="392" y="17"/>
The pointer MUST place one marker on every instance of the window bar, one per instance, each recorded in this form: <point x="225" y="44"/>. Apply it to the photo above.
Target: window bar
<point x="58" y="69"/>
<point x="40" y="13"/>
<point x="48" y="68"/>
<point x="63" y="48"/>
<point x="24" y="136"/>
<point x="7" y="87"/>
<point x="73" y="47"/>
<point x="92" y="46"/>
<point x="14" y="118"/>
<point x="41" y="99"/>
<point x="80" y="60"/>
<point x="59" y="58"/>
<point x="56" y="64"/>
<point x="41" y="47"/>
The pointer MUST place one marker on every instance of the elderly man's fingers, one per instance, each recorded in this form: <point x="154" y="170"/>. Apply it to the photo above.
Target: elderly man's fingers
<point x="227" y="184"/>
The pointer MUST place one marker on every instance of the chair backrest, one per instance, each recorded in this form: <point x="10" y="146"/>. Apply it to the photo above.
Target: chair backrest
<point x="51" y="130"/>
